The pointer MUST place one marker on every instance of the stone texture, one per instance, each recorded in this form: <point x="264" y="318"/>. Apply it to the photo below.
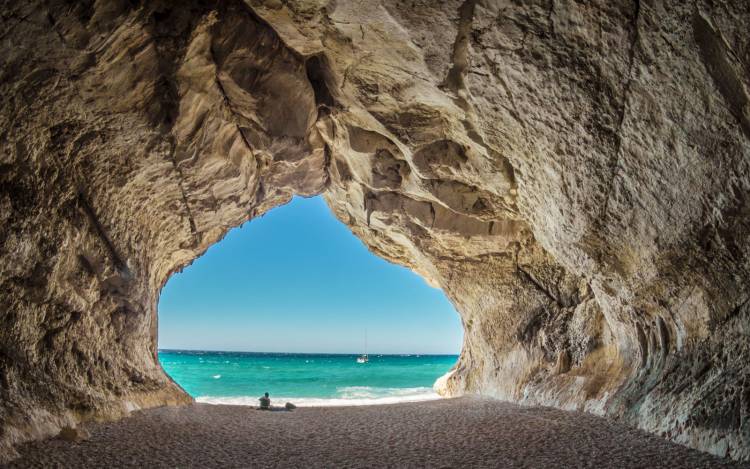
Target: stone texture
<point x="74" y="435"/>
<point x="573" y="175"/>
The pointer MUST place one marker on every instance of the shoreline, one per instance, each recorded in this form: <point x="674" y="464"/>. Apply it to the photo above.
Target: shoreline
<point x="455" y="432"/>
<point x="306" y="402"/>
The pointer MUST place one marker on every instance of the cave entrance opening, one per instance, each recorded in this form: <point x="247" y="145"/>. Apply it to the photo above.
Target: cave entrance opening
<point x="283" y="304"/>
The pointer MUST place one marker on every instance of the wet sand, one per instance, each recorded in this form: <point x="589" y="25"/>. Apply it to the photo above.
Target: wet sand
<point x="465" y="432"/>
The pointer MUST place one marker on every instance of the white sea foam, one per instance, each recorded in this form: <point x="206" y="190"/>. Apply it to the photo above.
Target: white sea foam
<point x="350" y="396"/>
<point x="217" y="376"/>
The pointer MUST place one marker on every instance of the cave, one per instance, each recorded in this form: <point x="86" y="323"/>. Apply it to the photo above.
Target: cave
<point x="573" y="175"/>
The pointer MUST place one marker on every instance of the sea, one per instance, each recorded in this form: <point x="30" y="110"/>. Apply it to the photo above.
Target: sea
<point x="306" y="380"/>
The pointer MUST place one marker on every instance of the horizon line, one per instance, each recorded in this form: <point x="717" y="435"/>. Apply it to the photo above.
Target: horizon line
<point x="299" y="353"/>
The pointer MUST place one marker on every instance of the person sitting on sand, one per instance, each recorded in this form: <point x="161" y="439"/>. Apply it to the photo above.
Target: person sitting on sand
<point x="265" y="402"/>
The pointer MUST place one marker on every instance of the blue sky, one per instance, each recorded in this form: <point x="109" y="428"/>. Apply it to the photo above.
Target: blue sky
<point x="297" y="280"/>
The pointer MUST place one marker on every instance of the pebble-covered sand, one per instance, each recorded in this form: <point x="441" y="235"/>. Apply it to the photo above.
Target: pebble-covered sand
<point x="465" y="432"/>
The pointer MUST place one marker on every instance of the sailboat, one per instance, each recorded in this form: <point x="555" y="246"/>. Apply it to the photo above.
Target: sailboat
<point x="364" y="358"/>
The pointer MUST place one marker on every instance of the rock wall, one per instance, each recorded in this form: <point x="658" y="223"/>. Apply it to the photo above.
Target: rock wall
<point x="573" y="175"/>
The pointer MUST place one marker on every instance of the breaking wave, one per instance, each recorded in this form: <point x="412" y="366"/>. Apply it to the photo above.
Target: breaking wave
<point x="346" y="396"/>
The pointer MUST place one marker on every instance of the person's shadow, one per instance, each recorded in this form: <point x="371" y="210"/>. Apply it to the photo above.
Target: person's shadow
<point x="274" y="409"/>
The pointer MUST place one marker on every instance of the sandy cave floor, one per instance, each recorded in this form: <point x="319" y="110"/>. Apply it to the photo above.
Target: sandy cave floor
<point x="464" y="432"/>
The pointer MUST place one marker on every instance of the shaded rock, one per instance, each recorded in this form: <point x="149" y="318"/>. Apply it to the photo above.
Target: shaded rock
<point x="73" y="434"/>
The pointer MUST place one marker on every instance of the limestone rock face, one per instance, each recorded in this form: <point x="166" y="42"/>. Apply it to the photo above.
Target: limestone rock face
<point x="574" y="175"/>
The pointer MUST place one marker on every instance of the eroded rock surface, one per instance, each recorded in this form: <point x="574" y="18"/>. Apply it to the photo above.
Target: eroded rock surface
<point x="573" y="175"/>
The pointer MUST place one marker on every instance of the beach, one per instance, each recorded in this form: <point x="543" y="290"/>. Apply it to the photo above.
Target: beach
<point x="461" y="432"/>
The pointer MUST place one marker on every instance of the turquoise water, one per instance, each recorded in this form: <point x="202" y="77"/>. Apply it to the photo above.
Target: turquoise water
<point x="305" y="379"/>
